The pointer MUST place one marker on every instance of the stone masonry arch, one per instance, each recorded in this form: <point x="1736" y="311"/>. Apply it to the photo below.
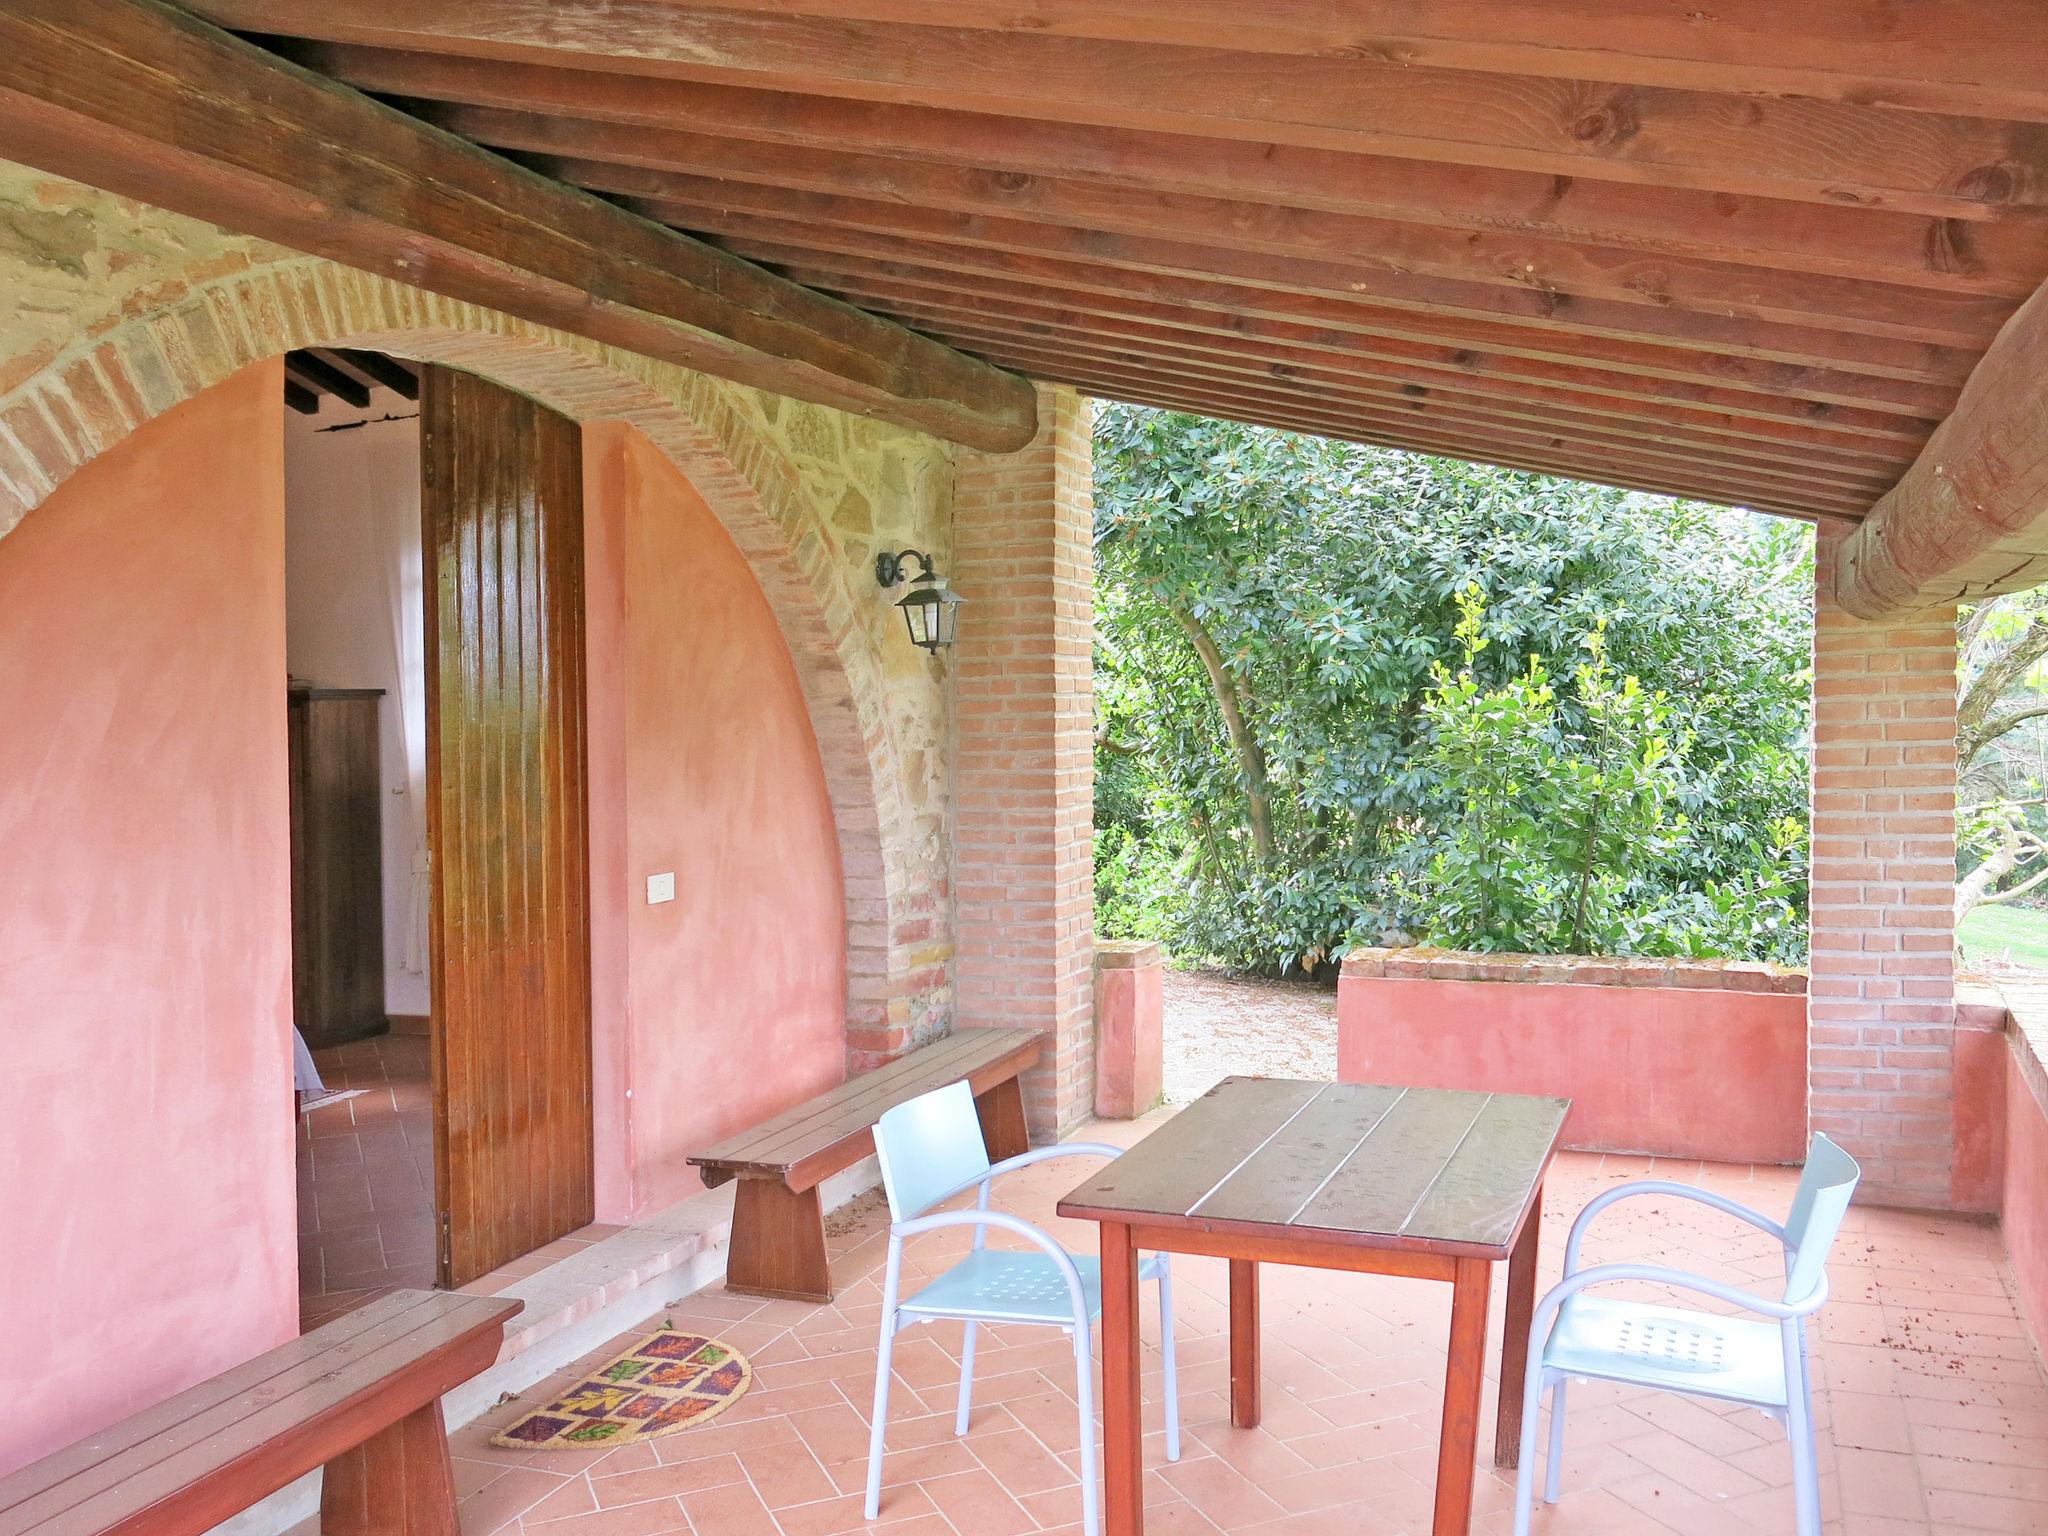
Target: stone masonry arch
<point x="62" y="407"/>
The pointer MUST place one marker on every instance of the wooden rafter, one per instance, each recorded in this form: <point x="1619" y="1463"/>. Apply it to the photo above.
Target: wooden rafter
<point x="1948" y="165"/>
<point x="1751" y="251"/>
<point x="136" y="97"/>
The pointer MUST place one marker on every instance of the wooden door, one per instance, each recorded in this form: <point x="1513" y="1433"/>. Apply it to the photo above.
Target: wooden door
<point x="502" y="511"/>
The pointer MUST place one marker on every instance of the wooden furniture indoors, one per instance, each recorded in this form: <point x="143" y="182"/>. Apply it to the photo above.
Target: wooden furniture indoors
<point x="361" y="1396"/>
<point x="337" y="865"/>
<point x="778" y="1227"/>
<point x="1424" y="1183"/>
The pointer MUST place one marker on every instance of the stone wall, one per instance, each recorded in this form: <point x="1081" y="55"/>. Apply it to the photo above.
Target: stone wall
<point x="119" y="311"/>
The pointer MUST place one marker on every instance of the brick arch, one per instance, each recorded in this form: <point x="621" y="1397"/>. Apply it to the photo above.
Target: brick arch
<point x="81" y="403"/>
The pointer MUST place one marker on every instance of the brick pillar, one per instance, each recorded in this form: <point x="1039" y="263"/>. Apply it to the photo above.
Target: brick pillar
<point x="1023" y="764"/>
<point x="1881" y="1007"/>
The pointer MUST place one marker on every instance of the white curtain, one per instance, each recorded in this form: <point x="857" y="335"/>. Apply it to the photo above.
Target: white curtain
<point x="391" y="494"/>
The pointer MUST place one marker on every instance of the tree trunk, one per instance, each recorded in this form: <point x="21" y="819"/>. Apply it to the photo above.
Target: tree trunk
<point x="1251" y="757"/>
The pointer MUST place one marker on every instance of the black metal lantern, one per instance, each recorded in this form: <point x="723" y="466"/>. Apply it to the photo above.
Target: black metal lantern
<point x="930" y="608"/>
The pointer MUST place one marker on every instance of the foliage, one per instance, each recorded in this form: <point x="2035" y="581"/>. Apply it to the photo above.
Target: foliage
<point x="2002" y="751"/>
<point x="1329" y="707"/>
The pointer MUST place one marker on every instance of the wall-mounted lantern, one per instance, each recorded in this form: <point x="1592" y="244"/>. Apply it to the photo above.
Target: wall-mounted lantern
<point x="930" y="608"/>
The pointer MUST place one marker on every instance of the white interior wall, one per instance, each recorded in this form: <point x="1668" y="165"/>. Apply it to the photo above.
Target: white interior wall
<point x="352" y="505"/>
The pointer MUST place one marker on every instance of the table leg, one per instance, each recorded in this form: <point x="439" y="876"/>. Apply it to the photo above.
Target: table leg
<point x="1463" y="1379"/>
<point x="1123" y="1431"/>
<point x="1244" y="1343"/>
<point x="1514" y="1338"/>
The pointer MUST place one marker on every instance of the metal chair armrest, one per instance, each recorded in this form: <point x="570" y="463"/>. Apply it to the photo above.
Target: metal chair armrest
<point x="1047" y="1154"/>
<point x="1678" y="1279"/>
<point x="983" y="1220"/>
<point x="1620" y="1192"/>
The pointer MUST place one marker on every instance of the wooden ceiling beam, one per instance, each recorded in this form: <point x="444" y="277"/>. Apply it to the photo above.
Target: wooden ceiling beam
<point x="148" y="102"/>
<point x="1344" y="369"/>
<point x="681" y="198"/>
<point x="1970" y="517"/>
<point x="1296" y="414"/>
<point x="1334" y="401"/>
<point x="1680" y="284"/>
<point x="1945" y="165"/>
<point x="318" y="374"/>
<point x="1885" y="420"/>
<point x="301" y="399"/>
<point x="1997" y="257"/>
<point x="379" y="369"/>
<point x="1643" y="372"/>
<point x="1934" y="55"/>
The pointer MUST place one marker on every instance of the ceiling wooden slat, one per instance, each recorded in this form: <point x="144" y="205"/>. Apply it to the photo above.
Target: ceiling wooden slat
<point x="1997" y="256"/>
<point x="142" y="99"/>
<point x="1678" y="284"/>
<point x="1933" y="55"/>
<point x="1334" y="373"/>
<point x="684" y="199"/>
<point x="1752" y="252"/>
<point x="1946" y="165"/>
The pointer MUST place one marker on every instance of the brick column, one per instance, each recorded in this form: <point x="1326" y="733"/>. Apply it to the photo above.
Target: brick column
<point x="1881" y="1004"/>
<point x="1023" y="762"/>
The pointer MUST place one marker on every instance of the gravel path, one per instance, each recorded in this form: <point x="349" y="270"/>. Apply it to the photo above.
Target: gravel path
<point x="1217" y="1025"/>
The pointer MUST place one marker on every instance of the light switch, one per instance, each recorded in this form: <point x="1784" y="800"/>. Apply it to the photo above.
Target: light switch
<point x="661" y="888"/>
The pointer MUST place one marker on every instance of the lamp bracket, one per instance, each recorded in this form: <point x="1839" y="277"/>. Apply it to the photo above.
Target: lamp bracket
<point x="889" y="567"/>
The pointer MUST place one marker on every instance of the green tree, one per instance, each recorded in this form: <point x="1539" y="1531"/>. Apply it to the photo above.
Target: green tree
<point x="1283" y="684"/>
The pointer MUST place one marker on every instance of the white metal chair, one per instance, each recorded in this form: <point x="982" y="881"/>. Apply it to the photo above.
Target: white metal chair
<point x="1700" y="1354"/>
<point x="931" y="1149"/>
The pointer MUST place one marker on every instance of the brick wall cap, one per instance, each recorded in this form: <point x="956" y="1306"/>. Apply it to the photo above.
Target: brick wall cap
<point x="1128" y="954"/>
<point x="1428" y="963"/>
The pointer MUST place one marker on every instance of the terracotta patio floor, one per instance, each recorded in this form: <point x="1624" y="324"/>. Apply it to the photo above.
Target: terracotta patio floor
<point x="1933" y="1413"/>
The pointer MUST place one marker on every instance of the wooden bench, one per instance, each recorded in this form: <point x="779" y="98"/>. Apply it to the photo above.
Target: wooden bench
<point x="361" y="1396"/>
<point x="778" y="1230"/>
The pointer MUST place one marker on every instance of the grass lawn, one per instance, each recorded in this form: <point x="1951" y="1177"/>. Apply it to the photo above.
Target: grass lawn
<point x="1989" y="932"/>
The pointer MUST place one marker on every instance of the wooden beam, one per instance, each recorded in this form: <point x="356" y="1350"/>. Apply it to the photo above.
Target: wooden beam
<point x="683" y="200"/>
<point x="1504" y="259"/>
<point x="379" y="369"/>
<point x="320" y="375"/>
<point x="2004" y="257"/>
<point x="300" y="398"/>
<point x="143" y="100"/>
<point x="1879" y="417"/>
<point x="1970" y="518"/>
<point x="1639" y="371"/>
<point x="1964" y="56"/>
<point x="1237" y="406"/>
<point x="928" y="310"/>
<point x="1947" y="165"/>
<point x="1314" y="403"/>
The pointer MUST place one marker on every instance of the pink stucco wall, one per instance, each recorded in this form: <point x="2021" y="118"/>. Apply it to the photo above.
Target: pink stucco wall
<point x="2025" y="1179"/>
<point x="732" y="995"/>
<point x="1677" y="1070"/>
<point x="145" y="1123"/>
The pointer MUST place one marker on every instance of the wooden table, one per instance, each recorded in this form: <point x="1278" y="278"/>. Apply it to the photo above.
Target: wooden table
<point x="1420" y="1182"/>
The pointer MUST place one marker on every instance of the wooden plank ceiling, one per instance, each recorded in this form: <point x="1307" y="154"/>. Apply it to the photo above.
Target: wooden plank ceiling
<point x="1747" y="252"/>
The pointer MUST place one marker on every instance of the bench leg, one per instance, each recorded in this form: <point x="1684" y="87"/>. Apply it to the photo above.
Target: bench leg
<point x="778" y="1243"/>
<point x="1002" y="1119"/>
<point x="396" y="1483"/>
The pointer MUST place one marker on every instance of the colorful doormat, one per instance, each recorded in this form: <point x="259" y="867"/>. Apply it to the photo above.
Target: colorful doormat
<point x="668" y="1381"/>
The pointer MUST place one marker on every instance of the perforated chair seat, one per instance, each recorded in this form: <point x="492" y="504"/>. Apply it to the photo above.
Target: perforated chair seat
<point x="1737" y="1358"/>
<point x="993" y="1287"/>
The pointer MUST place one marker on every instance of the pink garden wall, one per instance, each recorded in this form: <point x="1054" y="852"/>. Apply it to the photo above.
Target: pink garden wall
<point x="145" y="940"/>
<point x="732" y="997"/>
<point x="1683" y="1059"/>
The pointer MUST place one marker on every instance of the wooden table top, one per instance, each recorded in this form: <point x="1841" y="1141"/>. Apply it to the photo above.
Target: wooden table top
<point x="1363" y="1164"/>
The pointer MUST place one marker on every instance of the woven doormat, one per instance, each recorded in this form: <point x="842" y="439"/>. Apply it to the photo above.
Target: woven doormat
<point x="670" y="1380"/>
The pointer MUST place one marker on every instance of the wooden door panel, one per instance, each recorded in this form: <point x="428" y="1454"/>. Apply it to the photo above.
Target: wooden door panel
<point x="502" y="508"/>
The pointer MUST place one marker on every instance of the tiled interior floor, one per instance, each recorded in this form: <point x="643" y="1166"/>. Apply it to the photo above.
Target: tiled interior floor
<point x="366" y="1184"/>
<point x="1933" y="1410"/>
<point x="366" y="1177"/>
